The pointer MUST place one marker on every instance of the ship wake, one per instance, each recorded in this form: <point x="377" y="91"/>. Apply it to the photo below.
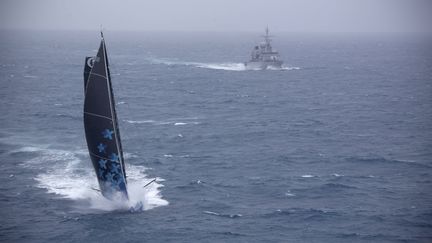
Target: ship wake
<point x="228" y="66"/>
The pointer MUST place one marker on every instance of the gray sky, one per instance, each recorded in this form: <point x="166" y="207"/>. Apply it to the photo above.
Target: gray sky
<point x="219" y="15"/>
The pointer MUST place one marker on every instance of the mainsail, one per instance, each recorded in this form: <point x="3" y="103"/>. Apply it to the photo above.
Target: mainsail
<point x="101" y="126"/>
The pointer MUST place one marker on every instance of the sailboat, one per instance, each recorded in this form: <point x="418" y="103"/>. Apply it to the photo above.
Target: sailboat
<point x="101" y="127"/>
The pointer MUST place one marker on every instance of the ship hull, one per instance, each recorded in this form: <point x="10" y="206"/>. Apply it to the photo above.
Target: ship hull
<point x="262" y="65"/>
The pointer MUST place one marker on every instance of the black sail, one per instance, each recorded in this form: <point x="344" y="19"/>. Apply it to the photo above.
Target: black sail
<point x="101" y="126"/>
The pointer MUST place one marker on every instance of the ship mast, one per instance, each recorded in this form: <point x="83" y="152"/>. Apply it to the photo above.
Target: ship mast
<point x="267" y="36"/>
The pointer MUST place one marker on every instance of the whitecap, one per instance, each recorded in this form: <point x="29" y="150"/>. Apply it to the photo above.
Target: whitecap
<point x="223" y="215"/>
<point x="30" y="76"/>
<point x="211" y="213"/>
<point x="139" y="122"/>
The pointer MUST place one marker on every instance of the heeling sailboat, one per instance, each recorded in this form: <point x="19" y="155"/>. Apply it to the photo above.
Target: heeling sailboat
<point x="101" y="126"/>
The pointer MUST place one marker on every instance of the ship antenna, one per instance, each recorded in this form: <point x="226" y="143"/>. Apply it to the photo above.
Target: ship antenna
<point x="101" y="31"/>
<point x="267" y="36"/>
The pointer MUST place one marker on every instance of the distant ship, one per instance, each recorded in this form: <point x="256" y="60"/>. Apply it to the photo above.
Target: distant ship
<point x="263" y="56"/>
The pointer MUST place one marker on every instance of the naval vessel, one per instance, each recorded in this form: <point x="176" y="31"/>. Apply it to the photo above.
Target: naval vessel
<point x="263" y="56"/>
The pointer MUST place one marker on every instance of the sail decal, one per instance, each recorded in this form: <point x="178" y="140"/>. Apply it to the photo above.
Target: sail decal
<point x="100" y="123"/>
<point x="87" y="68"/>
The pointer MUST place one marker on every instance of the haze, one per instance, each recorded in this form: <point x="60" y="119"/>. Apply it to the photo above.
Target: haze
<point x="220" y="15"/>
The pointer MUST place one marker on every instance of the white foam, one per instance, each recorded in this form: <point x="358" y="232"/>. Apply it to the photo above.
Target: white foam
<point x="30" y="76"/>
<point x="139" y="122"/>
<point x="228" y="66"/>
<point x="27" y="149"/>
<point x="307" y="176"/>
<point x="222" y="66"/>
<point x="211" y="213"/>
<point x="168" y="122"/>
<point x="223" y="215"/>
<point x="70" y="175"/>
<point x="289" y="68"/>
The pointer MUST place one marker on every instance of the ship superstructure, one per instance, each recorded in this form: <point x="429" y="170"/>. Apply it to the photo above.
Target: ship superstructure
<point x="263" y="56"/>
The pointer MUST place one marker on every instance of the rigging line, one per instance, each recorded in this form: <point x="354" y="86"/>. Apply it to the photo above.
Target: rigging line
<point x="97" y="75"/>
<point x="150" y="182"/>
<point x="120" y="92"/>
<point x="100" y="157"/>
<point x="93" y="114"/>
<point x="115" y="125"/>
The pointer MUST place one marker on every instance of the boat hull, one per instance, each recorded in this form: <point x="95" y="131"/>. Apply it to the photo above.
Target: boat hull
<point x="263" y="65"/>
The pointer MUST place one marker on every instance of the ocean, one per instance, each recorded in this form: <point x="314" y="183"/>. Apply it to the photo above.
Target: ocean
<point x="334" y="147"/>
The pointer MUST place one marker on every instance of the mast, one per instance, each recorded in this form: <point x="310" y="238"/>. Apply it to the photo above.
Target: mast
<point x="267" y="37"/>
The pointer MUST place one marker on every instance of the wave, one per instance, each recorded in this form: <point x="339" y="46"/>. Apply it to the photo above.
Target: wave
<point x="69" y="175"/>
<point x="221" y="66"/>
<point x="223" y="215"/>
<point x="384" y="160"/>
<point x="228" y="66"/>
<point x="303" y="213"/>
<point x="175" y="122"/>
<point x="30" y="76"/>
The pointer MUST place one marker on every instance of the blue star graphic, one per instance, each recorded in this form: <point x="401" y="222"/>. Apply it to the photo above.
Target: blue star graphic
<point x="114" y="157"/>
<point x="101" y="147"/>
<point x="107" y="134"/>
<point x="110" y="178"/>
<point x="115" y="168"/>
<point x="118" y="182"/>
<point x="102" y="163"/>
<point x="122" y="186"/>
<point x="101" y="172"/>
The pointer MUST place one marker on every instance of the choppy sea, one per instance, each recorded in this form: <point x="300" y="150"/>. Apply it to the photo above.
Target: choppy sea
<point x="334" y="147"/>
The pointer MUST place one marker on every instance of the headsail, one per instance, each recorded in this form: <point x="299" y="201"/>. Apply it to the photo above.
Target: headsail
<point x="101" y="126"/>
